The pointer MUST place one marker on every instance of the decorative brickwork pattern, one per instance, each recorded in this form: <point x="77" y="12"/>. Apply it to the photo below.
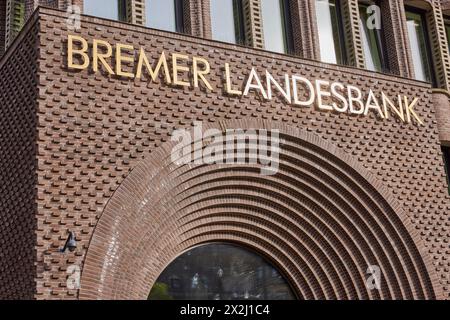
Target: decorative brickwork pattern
<point x="318" y="219"/>
<point x="205" y="11"/>
<point x="253" y="23"/>
<point x="135" y="11"/>
<point x="192" y="25"/>
<point x="138" y="9"/>
<point x="93" y="130"/>
<point x="197" y="20"/>
<point x="445" y="4"/>
<point x="394" y="22"/>
<point x="64" y="4"/>
<point x="353" y="41"/>
<point x="18" y="166"/>
<point x="442" y="104"/>
<point x="306" y="41"/>
<point x="30" y="5"/>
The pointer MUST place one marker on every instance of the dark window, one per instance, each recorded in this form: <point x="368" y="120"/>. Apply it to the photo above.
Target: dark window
<point x="227" y="21"/>
<point x="220" y="272"/>
<point x="446" y="153"/>
<point x="331" y="33"/>
<point x="277" y="25"/>
<point x="164" y="14"/>
<point x="109" y="9"/>
<point x="420" y="48"/>
<point x="372" y="36"/>
<point x="175" y="284"/>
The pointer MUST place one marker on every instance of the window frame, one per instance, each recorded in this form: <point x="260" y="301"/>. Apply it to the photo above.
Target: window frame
<point x="380" y="37"/>
<point x="239" y="22"/>
<point x="178" y="16"/>
<point x="341" y="34"/>
<point x="286" y="24"/>
<point x="428" y="49"/>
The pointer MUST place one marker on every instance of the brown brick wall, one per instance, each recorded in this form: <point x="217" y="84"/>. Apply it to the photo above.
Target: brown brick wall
<point x="18" y="164"/>
<point x="31" y="5"/>
<point x="197" y="21"/>
<point x="445" y="4"/>
<point x="442" y="104"/>
<point x="295" y="218"/>
<point x="94" y="130"/>
<point x="396" y="37"/>
<point x="306" y="42"/>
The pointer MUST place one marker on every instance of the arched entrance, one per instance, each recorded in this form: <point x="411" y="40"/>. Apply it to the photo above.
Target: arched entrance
<point x="322" y="219"/>
<point x="220" y="271"/>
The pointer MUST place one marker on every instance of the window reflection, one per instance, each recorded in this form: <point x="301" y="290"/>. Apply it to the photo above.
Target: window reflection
<point x="220" y="272"/>
<point x="108" y="9"/>
<point x="419" y="46"/>
<point x="227" y="21"/>
<point x="164" y="14"/>
<point x="275" y="17"/>
<point x="372" y="41"/>
<point x="330" y="31"/>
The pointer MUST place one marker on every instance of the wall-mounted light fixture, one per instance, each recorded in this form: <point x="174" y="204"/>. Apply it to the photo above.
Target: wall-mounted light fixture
<point x="70" y="244"/>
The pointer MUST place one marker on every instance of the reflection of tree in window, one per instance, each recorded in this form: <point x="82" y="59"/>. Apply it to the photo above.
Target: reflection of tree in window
<point x="221" y="272"/>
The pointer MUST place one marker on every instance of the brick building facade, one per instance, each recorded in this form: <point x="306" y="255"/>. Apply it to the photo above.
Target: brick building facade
<point x="89" y="152"/>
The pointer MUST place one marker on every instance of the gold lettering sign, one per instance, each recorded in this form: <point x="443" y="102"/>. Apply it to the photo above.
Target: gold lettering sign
<point x="126" y="61"/>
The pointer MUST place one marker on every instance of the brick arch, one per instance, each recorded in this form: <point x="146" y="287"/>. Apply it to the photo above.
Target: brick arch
<point x="322" y="219"/>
